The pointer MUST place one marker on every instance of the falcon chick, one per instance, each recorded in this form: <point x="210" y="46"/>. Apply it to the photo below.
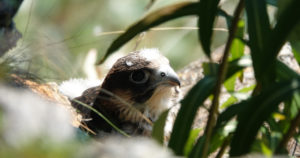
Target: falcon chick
<point x="137" y="89"/>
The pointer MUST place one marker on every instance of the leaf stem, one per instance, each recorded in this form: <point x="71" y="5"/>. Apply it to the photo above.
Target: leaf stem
<point x="221" y="76"/>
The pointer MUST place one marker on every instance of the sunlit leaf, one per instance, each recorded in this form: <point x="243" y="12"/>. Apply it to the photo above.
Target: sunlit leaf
<point x="247" y="89"/>
<point x="266" y="150"/>
<point x="237" y="47"/>
<point x="230" y="83"/>
<point x="278" y="116"/>
<point x="191" y="140"/>
<point x="231" y="100"/>
<point x="197" y="152"/>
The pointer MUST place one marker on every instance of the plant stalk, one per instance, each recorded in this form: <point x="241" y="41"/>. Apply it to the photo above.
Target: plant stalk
<point x="213" y="113"/>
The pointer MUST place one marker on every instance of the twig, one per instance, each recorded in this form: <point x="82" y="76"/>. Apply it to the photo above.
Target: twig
<point x="221" y="76"/>
<point x="289" y="134"/>
<point x="87" y="128"/>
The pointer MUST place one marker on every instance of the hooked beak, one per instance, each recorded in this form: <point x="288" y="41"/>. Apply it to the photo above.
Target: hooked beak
<point x="168" y="76"/>
<point x="172" y="80"/>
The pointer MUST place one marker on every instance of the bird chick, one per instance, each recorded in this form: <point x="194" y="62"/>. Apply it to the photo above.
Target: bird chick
<point x="137" y="89"/>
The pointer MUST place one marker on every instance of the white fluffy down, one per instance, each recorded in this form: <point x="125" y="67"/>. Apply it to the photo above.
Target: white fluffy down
<point x="150" y="54"/>
<point x="118" y="147"/>
<point x="75" y="87"/>
<point x="27" y="116"/>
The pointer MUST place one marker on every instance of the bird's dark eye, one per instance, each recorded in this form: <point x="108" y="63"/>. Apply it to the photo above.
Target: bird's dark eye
<point x="139" y="77"/>
<point x="162" y="74"/>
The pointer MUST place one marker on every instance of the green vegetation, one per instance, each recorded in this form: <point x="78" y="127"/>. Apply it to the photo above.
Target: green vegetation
<point x="262" y="122"/>
<point x="275" y="82"/>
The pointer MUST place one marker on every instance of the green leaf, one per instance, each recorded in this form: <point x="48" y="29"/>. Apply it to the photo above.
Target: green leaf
<point x="295" y="105"/>
<point x="196" y="152"/>
<point x="210" y="69"/>
<point x="231" y="100"/>
<point x="238" y="64"/>
<point x="284" y="72"/>
<point x="237" y="47"/>
<point x="247" y="89"/>
<point x="159" y="126"/>
<point x="257" y="110"/>
<point x="189" y="106"/>
<point x="153" y="19"/>
<point x="191" y="140"/>
<point x="221" y="135"/>
<point x="208" y="10"/>
<point x="266" y="150"/>
<point x="259" y="29"/>
<point x="233" y="66"/>
<point x="191" y="103"/>
<point x="276" y="39"/>
<point x="229" y="84"/>
<point x="283" y="27"/>
<point x="296" y="50"/>
<point x="228" y="114"/>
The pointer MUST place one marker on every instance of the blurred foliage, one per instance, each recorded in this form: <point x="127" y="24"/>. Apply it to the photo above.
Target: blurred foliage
<point x="37" y="148"/>
<point x="58" y="34"/>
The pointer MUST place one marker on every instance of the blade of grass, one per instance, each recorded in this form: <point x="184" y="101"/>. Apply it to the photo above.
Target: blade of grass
<point x="153" y="19"/>
<point x="103" y="117"/>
